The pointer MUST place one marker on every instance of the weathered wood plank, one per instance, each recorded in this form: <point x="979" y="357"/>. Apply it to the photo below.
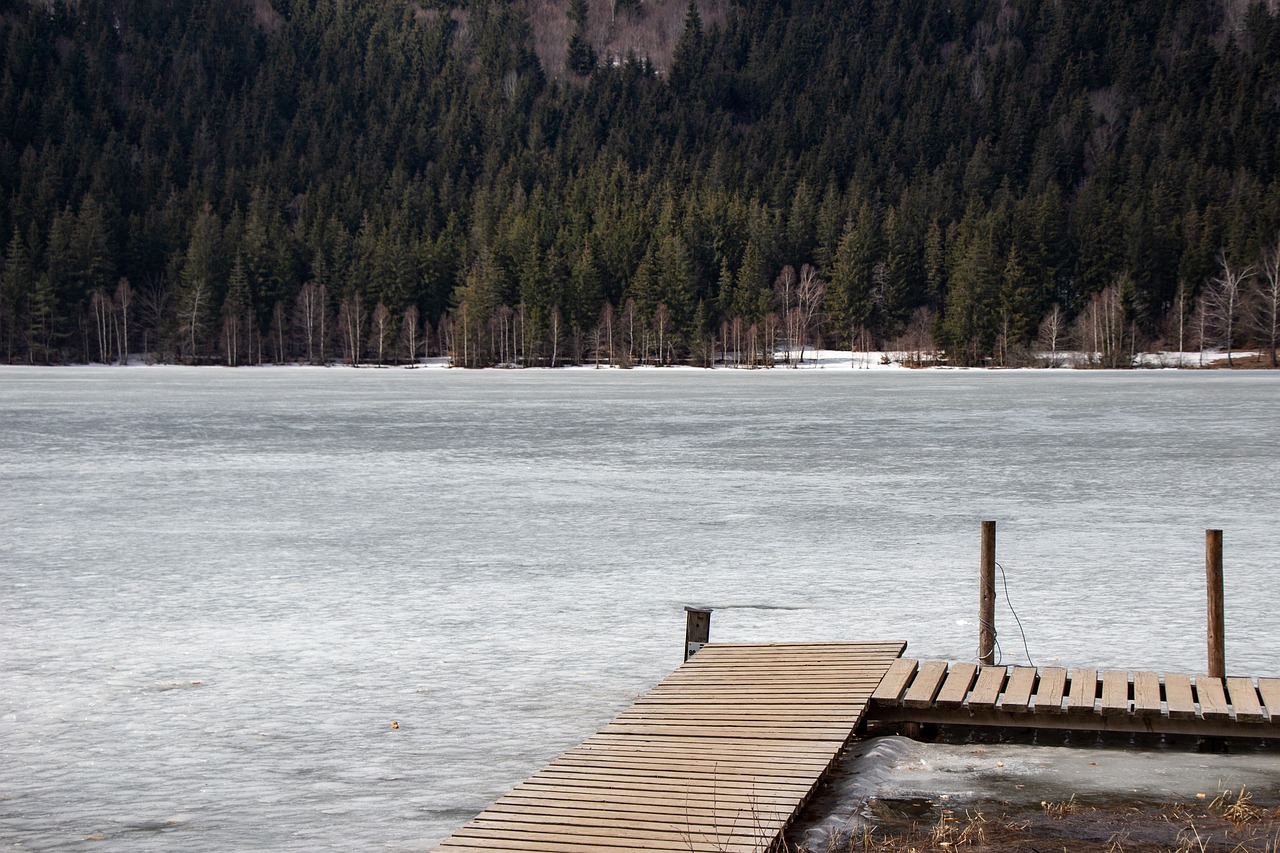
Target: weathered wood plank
<point x="955" y="689"/>
<point x="895" y="681"/>
<point x="925" y="686"/>
<point x="1017" y="693"/>
<point x="1084" y="691"/>
<point x="987" y="689"/>
<point x="1146" y="694"/>
<point x="1212" y="698"/>
<point x="1269" y="689"/>
<point x="1050" y="690"/>
<point x="1115" y="692"/>
<point x="1244" y="700"/>
<point x="1178" y="697"/>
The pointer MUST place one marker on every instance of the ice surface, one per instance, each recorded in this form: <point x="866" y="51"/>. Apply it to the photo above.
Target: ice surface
<point x="218" y="588"/>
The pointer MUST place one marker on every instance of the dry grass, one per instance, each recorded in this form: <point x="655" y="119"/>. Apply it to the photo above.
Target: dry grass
<point x="1231" y="823"/>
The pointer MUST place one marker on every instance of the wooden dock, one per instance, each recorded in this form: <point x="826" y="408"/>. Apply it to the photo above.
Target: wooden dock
<point x="718" y="757"/>
<point x="1113" y="700"/>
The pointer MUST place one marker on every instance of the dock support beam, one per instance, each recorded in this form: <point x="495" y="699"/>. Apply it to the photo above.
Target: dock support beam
<point x="1213" y="579"/>
<point x="987" y="597"/>
<point x="697" y="629"/>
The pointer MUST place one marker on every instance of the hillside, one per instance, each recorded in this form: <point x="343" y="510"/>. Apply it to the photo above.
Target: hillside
<point x="533" y="182"/>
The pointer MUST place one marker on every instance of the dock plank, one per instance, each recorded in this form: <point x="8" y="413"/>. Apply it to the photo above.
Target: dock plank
<point x="1212" y="698"/>
<point x="1115" y="692"/>
<point x="1178" y="697"/>
<point x="956" y="686"/>
<point x="925" y="687"/>
<point x="895" y="681"/>
<point x="1269" y="690"/>
<point x="1050" y="691"/>
<point x="1244" y="700"/>
<point x="1084" y="691"/>
<point x="719" y="757"/>
<point x="1146" y="694"/>
<point x="1017" y="693"/>
<point x="987" y="688"/>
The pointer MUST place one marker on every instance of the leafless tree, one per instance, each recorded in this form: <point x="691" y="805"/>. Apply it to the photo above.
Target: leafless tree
<point x="309" y="311"/>
<point x="661" y="322"/>
<point x="557" y="330"/>
<point x="153" y="297"/>
<point x="124" y="298"/>
<point x="1052" y="332"/>
<point x="351" y="318"/>
<point x="100" y="305"/>
<point x="1102" y="332"/>
<point x="231" y="321"/>
<point x="606" y="326"/>
<point x="1264" y="306"/>
<point x="1226" y="299"/>
<point x="784" y="296"/>
<point x="409" y="334"/>
<point x="381" y="327"/>
<point x="629" y="330"/>
<point x="809" y="299"/>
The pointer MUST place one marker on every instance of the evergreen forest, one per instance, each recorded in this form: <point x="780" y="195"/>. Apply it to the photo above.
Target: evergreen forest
<point x="379" y="181"/>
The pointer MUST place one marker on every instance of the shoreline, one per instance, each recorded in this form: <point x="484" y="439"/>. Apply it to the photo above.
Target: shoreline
<point x="825" y="361"/>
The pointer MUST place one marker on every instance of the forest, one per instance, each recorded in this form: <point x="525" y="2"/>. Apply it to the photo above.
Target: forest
<point x="974" y="181"/>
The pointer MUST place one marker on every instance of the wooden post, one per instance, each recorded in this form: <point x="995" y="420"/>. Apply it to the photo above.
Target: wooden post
<point x="1213" y="578"/>
<point x="697" y="630"/>
<point x="987" y="597"/>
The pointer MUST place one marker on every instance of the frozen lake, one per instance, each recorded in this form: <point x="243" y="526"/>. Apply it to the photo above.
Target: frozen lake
<point x="218" y="588"/>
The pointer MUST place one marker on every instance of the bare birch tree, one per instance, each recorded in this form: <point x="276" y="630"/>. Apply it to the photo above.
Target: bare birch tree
<point x="1227" y="296"/>
<point x="381" y="327"/>
<point x="784" y="296"/>
<point x="809" y="298"/>
<point x="409" y="334"/>
<point x="1052" y="332"/>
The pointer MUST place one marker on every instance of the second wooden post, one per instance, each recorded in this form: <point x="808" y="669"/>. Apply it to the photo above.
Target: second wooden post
<point x="1213" y="580"/>
<point x="987" y="597"/>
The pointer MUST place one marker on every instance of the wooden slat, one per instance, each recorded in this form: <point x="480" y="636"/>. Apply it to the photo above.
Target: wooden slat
<point x="719" y="757"/>
<point x="1177" y="694"/>
<point x="1115" y="692"/>
<point x="956" y="687"/>
<point x="987" y="689"/>
<point x="1146" y="694"/>
<point x="1050" y="690"/>
<point x="925" y="686"/>
<point x="1212" y="698"/>
<point x="895" y="682"/>
<point x="1244" y="700"/>
<point x="1269" y="690"/>
<point x="1017" y="693"/>
<point x="1084" y="690"/>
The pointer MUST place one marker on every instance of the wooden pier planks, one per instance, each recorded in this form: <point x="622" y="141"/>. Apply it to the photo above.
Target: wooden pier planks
<point x="718" y="757"/>
<point x="1111" y="700"/>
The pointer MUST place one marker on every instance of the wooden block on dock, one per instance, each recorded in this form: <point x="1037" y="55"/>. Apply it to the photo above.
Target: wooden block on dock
<point x="1049" y="693"/>
<point x="1017" y="693"/>
<point x="1146" y="694"/>
<point x="1084" y="690"/>
<point x="895" y="682"/>
<point x="987" y="690"/>
<point x="1244" y="700"/>
<point x="1115" y="693"/>
<point x="1178" y="696"/>
<point x="925" y="687"/>
<point x="1269" y="689"/>
<point x="1213" y="699"/>
<point x="956" y="688"/>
